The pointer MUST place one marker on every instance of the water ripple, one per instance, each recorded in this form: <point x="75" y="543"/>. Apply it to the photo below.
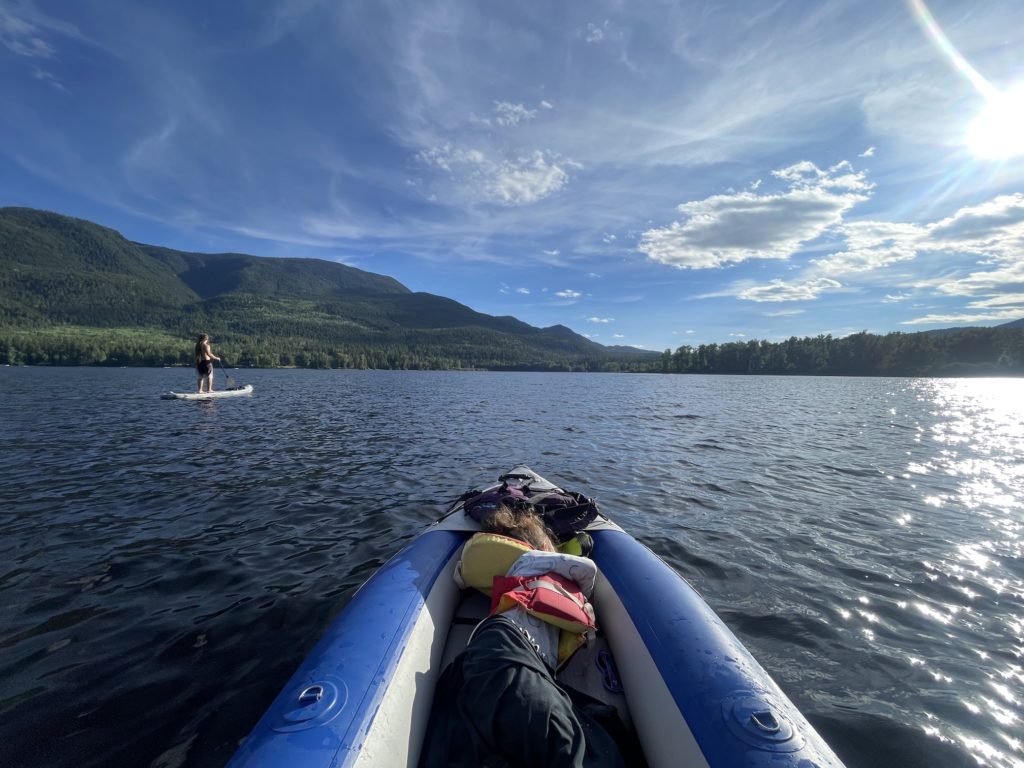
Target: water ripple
<point x="166" y="565"/>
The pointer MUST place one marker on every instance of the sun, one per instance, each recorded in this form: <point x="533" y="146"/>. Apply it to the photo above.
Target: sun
<point x="997" y="133"/>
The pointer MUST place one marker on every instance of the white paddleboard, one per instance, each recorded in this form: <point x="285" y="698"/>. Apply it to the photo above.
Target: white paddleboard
<point x="246" y="390"/>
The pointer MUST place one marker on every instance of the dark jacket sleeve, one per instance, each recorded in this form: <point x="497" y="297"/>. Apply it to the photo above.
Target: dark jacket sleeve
<point x="498" y="704"/>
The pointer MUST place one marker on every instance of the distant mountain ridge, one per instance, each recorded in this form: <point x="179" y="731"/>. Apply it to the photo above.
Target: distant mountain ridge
<point x="957" y="329"/>
<point x="58" y="272"/>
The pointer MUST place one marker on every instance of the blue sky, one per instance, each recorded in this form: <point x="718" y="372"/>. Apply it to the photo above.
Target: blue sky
<point x="646" y="173"/>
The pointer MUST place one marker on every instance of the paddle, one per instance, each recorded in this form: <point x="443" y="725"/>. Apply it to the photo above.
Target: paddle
<point x="228" y="379"/>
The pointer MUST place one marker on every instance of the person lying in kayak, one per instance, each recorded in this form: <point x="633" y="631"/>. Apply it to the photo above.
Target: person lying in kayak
<point x="499" y="703"/>
<point x="204" y="363"/>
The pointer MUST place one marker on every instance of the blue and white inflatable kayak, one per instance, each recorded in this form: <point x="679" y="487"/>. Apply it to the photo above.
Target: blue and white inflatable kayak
<point x="692" y="693"/>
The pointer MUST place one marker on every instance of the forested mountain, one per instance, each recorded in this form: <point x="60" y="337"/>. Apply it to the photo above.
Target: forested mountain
<point x="73" y="292"/>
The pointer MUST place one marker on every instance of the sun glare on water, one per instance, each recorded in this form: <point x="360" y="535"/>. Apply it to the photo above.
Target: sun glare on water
<point x="998" y="131"/>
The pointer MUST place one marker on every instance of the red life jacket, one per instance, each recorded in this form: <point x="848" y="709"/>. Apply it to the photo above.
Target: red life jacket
<point x="550" y="597"/>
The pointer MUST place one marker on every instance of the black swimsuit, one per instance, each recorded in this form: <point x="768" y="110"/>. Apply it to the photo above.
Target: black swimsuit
<point x="204" y="367"/>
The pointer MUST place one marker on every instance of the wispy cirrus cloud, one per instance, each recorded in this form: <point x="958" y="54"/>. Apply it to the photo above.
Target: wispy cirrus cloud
<point x="28" y="32"/>
<point x="893" y="298"/>
<point x="23" y="31"/>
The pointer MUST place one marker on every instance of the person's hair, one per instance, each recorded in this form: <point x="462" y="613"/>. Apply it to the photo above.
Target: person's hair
<point x="519" y="524"/>
<point x="200" y="339"/>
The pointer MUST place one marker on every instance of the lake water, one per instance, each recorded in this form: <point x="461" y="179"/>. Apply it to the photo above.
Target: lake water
<point x="166" y="565"/>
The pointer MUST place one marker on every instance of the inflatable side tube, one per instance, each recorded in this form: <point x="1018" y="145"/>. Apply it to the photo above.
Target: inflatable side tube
<point x="323" y="715"/>
<point x="737" y="714"/>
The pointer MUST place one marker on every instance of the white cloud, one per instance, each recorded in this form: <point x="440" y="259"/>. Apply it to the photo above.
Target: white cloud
<point x="618" y="336"/>
<point x="524" y="291"/>
<point x="989" y="233"/>
<point x="1016" y="299"/>
<point x="869" y="152"/>
<point x="596" y="33"/>
<point x="785" y="313"/>
<point x="871" y="245"/>
<point x="512" y="114"/>
<point x="446" y="157"/>
<point x="728" y="229"/>
<point x="980" y="282"/>
<point x="568" y="294"/>
<point x="1000" y="316"/>
<point x="516" y="181"/>
<point x="553" y="252"/>
<point x="600" y="319"/>
<point x="526" y="180"/>
<point x="779" y="290"/>
<point x="993" y="228"/>
<point x="545" y="104"/>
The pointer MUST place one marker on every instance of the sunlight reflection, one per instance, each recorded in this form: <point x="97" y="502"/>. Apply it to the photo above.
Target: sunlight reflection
<point x="981" y="748"/>
<point x="958" y="621"/>
<point x="931" y="613"/>
<point x="1012" y="743"/>
<point x="970" y="553"/>
<point x="999" y="713"/>
<point x="1004" y="691"/>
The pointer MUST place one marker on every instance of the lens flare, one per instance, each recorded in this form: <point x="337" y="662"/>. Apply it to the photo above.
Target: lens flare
<point x="927" y="21"/>
<point x="998" y="130"/>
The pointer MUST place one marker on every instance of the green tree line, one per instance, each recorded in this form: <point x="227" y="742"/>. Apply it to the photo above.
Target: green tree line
<point x="436" y="349"/>
<point x="959" y="352"/>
